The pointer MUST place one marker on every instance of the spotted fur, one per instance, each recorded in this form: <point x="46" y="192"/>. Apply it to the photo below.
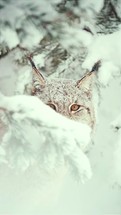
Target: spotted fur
<point x="70" y="98"/>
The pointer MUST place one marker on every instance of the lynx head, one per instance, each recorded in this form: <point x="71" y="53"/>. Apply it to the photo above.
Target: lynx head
<point x="70" y="98"/>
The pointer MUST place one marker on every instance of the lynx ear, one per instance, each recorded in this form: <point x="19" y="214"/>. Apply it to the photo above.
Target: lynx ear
<point x="85" y="82"/>
<point x="37" y="73"/>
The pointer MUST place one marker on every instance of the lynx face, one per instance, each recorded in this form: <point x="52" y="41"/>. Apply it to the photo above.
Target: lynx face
<point x="70" y="98"/>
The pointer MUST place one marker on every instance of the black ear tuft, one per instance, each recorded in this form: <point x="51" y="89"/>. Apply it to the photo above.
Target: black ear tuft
<point x="31" y="61"/>
<point x="86" y="28"/>
<point x="96" y="66"/>
<point x="36" y="72"/>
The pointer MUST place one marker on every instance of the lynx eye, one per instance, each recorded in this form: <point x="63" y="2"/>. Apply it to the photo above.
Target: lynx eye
<point x="75" y="107"/>
<point x="52" y="106"/>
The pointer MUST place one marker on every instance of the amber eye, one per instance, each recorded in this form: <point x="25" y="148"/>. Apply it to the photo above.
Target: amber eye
<point x="75" y="107"/>
<point x="52" y="106"/>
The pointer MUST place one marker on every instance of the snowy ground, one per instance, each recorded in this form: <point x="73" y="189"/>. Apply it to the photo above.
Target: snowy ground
<point x="25" y="187"/>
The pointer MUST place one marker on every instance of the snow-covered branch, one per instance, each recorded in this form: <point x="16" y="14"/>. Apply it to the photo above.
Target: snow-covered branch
<point x="106" y="48"/>
<point x="36" y="133"/>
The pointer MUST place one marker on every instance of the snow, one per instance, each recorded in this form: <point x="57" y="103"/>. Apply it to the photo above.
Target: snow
<point x="10" y="37"/>
<point x="117" y="159"/>
<point x="26" y="116"/>
<point x="43" y="140"/>
<point x="42" y="150"/>
<point x="95" y="5"/>
<point x="33" y="37"/>
<point x="106" y="48"/>
<point x="77" y="36"/>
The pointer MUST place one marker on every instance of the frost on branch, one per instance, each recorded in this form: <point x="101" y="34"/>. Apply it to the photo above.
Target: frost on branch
<point x="38" y="135"/>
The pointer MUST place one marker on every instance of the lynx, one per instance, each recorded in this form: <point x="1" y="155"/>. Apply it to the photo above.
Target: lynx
<point x="70" y="98"/>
